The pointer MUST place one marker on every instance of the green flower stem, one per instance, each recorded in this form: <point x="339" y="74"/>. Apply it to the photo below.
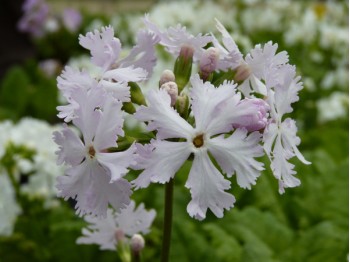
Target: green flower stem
<point x="168" y="219"/>
<point x="136" y="257"/>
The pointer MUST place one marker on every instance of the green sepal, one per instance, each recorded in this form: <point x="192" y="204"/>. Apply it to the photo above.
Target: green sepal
<point x="222" y="76"/>
<point x="182" y="71"/>
<point x="129" y="107"/>
<point x="137" y="96"/>
<point x="182" y="106"/>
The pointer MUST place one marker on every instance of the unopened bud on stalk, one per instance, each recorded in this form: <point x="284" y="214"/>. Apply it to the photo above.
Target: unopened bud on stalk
<point x="137" y="243"/>
<point x="183" y="66"/>
<point x="186" y="52"/>
<point x="182" y="105"/>
<point x="171" y="88"/>
<point x="167" y="76"/>
<point x="243" y="71"/>
<point x="119" y="235"/>
<point x="208" y="62"/>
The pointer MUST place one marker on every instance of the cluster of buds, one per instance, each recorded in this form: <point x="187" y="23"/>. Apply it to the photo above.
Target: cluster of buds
<point x="215" y="113"/>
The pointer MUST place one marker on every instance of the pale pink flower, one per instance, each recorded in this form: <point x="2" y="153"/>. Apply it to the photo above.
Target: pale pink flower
<point x="280" y="139"/>
<point x="95" y="176"/>
<point x="175" y="38"/>
<point x="215" y="111"/>
<point x="127" y="222"/>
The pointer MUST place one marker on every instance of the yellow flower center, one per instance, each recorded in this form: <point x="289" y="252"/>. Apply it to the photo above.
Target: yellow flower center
<point x="198" y="141"/>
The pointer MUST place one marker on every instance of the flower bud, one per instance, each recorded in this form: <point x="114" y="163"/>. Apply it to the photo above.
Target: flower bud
<point x="256" y="120"/>
<point x="137" y="243"/>
<point x="186" y="52"/>
<point x="182" y="105"/>
<point x="167" y="76"/>
<point x="183" y="66"/>
<point x="243" y="71"/>
<point x="208" y="62"/>
<point x="119" y="235"/>
<point x="136" y="94"/>
<point x="171" y="88"/>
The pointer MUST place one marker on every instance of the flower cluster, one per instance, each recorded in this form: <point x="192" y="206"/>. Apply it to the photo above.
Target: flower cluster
<point x="222" y="118"/>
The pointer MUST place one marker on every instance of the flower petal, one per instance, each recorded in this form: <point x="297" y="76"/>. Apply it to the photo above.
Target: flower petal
<point x="117" y="162"/>
<point x="163" y="162"/>
<point x="212" y="106"/>
<point x="236" y="154"/>
<point x="162" y="117"/>
<point x="133" y="221"/>
<point x="71" y="149"/>
<point x="104" y="47"/>
<point x="207" y="187"/>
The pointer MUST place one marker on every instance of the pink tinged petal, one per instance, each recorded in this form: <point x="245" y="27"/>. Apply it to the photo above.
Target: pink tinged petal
<point x="104" y="47"/>
<point x="143" y="153"/>
<point x="212" y="106"/>
<point x="177" y="37"/>
<point x="89" y="184"/>
<point x="71" y="149"/>
<point x="236" y="154"/>
<point x="73" y="78"/>
<point x="163" y="162"/>
<point x="282" y="169"/>
<point x="256" y="119"/>
<point x="100" y="231"/>
<point x="126" y="74"/>
<point x="143" y="54"/>
<point x="252" y="84"/>
<point x="269" y="137"/>
<point x="68" y="112"/>
<point x="109" y="126"/>
<point x="207" y="186"/>
<point x="261" y="59"/>
<point x="290" y="139"/>
<point x="117" y="163"/>
<point x="119" y="90"/>
<point x="162" y="117"/>
<point x="286" y="92"/>
<point x="133" y="221"/>
<point x="88" y="114"/>
<point x="227" y="40"/>
<point x="230" y="56"/>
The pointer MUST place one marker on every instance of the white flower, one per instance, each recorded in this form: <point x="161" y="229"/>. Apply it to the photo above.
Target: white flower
<point x="333" y="107"/>
<point x="215" y="111"/>
<point x="128" y="221"/>
<point x="95" y="176"/>
<point x="280" y="139"/>
<point x="9" y="209"/>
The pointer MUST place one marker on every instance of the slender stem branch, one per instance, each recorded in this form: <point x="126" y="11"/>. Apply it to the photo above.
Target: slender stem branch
<point x="168" y="219"/>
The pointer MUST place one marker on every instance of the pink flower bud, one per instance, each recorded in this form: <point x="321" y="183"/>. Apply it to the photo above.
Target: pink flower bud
<point x="119" y="235"/>
<point x="243" y="71"/>
<point x="171" y="88"/>
<point x="137" y="243"/>
<point x="209" y="60"/>
<point x="186" y="52"/>
<point x="167" y="76"/>
<point x="256" y="120"/>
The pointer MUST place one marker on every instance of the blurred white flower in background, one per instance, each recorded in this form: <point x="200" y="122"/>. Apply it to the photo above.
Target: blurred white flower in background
<point x="333" y="107"/>
<point x="9" y="210"/>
